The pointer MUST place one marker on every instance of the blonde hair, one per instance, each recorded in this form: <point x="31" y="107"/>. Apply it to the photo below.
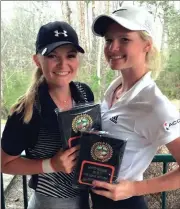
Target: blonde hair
<point x="153" y="57"/>
<point x="25" y="102"/>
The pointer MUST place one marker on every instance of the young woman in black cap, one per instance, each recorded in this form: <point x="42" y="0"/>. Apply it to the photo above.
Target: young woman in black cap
<point x="32" y="125"/>
<point x="135" y="110"/>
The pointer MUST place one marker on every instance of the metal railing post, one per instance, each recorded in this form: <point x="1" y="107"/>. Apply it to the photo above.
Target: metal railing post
<point x="25" y="195"/>
<point x="164" y="193"/>
<point x="2" y="193"/>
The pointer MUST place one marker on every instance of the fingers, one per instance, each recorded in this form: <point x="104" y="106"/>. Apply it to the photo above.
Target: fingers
<point x="102" y="193"/>
<point x="103" y="185"/>
<point x="70" y="166"/>
<point x="66" y="160"/>
<point x="73" y="164"/>
<point x="72" y="157"/>
<point x="71" y="150"/>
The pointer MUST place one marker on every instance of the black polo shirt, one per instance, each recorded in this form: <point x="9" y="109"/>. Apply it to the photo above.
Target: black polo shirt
<point x="40" y="139"/>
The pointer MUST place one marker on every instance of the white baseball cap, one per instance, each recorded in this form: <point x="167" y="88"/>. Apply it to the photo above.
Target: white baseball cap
<point x="130" y="17"/>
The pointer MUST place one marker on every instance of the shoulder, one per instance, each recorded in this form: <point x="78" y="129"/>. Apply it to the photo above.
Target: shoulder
<point x="161" y="124"/>
<point x="15" y="119"/>
<point x="162" y="106"/>
<point x="17" y="135"/>
<point x="154" y="97"/>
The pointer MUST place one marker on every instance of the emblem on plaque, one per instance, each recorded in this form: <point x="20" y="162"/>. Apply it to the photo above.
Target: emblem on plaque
<point x="101" y="151"/>
<point x="81" y="123"/>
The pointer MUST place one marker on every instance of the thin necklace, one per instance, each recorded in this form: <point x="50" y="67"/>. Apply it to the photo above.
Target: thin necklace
<point x="63" y="104"/>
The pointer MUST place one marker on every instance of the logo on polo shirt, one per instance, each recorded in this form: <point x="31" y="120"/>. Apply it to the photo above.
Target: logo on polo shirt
<point x="168" y="125"/>
<point x="114" y="119"/>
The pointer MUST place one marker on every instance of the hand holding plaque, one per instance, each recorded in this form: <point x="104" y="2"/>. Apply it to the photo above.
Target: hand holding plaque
<point x="99" y="158"/>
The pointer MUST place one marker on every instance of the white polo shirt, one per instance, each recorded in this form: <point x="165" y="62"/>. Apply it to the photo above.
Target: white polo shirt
<point x="145" y="118"/>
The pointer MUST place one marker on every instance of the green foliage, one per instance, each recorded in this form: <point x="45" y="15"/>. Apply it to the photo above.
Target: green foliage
<point x="109" y="76"/>
<point x="3" y="121"/>
<point x="18" y="38"/>
<point x="17" y="83"/>
<point x="169" y="83"/>
<point x="169" y="79"/>
<point x="95" y="81"/>
<point x="173" y="64"/>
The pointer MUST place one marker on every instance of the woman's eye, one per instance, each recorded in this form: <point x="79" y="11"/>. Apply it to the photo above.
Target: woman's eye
<point x="51" y="56"/>
<point x="72" y="55"/>
<point x="108" y="40"/>
<point x="125" y="39"/>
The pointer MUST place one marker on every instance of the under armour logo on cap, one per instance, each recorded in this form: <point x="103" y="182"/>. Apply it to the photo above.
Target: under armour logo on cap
<point x="57" y="33"/>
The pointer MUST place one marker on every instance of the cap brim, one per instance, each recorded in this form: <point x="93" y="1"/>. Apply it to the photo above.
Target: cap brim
<point x="102" y="22"/>
<point x="50" y="47"/>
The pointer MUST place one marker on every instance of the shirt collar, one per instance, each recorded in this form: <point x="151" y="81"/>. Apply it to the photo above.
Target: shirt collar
<point x="45" y="106"/>
<point x="132" y="92"/>
<point x="45" y="103"/>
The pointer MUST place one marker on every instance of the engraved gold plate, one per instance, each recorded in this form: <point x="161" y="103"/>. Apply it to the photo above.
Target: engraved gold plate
<point x="82" y="123"/>
<point x="101" y="151"/>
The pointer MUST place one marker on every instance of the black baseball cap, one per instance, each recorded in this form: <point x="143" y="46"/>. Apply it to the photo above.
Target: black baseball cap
<point x="55" y="34"/>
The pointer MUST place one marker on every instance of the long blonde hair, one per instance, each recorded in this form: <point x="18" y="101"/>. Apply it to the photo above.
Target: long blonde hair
<point x="25" y="102"/>
<point x="153" y="57"/>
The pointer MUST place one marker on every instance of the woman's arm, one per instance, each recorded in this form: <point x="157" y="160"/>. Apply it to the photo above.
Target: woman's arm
<point x="166" y="182"/>
<point x="17" y="165"/>
<point x="125" y="189"/>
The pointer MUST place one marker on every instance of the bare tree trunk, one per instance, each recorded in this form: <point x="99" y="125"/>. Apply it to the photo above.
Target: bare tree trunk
<point x="87" y="28"/>
<point x="99" y="64"/>
<point x="99" y="56"/>
<point x="93" y="17"/>
<point x="107" y="7"/>
<point x="63" y="10"/>
<point x="82" y="23"/>
<point x="164" y="28"/>
<point x="68" y="10"/>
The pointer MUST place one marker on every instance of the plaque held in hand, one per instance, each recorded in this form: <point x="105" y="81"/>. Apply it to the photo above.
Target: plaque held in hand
<point x="100" y="158"/>
<point x="80" y="118"/>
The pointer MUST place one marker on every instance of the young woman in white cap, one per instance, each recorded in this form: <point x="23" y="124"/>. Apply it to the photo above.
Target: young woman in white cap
<point x="135" y="109"/>
<point x="32" y="125"/>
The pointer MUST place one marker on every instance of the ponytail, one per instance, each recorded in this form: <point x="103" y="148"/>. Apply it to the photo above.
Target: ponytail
<point x="25" y="103"/>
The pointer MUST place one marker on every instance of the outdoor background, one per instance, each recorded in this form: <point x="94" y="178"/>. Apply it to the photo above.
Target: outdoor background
<point x="20" y="22"/>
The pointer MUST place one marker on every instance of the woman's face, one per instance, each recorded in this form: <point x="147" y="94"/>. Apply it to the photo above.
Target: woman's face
<point x="124" y="49"/>
<point x="60" y="66"/>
